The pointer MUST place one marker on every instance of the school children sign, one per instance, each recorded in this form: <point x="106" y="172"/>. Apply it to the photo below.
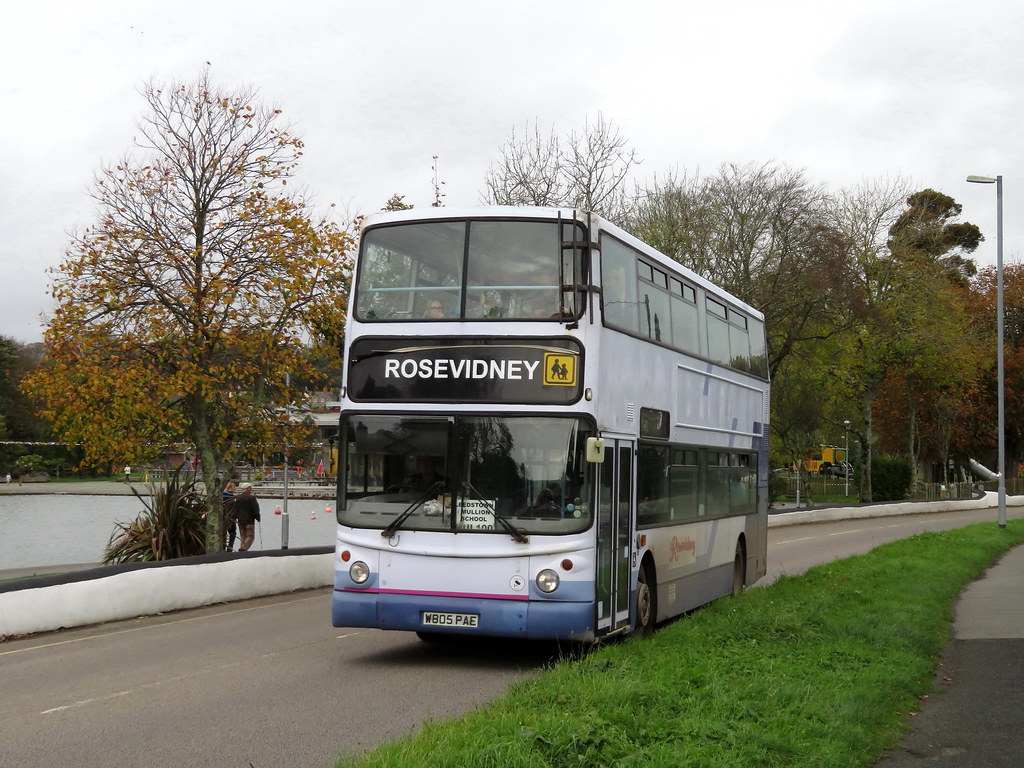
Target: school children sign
<point x="466" y="371"/>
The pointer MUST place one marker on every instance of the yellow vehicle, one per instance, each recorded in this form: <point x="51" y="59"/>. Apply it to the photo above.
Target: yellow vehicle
<point x="830" y="461"/>
<point x="834" y="462"/>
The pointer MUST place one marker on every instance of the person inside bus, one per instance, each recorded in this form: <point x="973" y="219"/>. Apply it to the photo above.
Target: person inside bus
<point x="434" y="311"/>
<point x="426" y="474"/>
<point x="549" y="501"/>
<point x="563" y="313"/>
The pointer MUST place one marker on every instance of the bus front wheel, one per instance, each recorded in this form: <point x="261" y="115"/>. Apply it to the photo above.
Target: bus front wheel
<point x="645" y="605"/>
<point x="435" y="638"/>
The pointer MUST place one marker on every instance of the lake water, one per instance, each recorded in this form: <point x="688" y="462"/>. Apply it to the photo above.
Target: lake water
<point x="46" y="530"/>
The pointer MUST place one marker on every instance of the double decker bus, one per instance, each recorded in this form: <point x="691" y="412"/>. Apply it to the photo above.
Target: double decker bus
<point x="548" y="430"/>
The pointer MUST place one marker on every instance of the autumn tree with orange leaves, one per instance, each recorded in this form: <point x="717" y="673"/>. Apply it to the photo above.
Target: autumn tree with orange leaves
<point x="181" y="312"/>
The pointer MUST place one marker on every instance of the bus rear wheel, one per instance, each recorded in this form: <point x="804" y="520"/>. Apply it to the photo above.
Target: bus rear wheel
<point x="645" y="603"/>
<point x="739" y="569"/>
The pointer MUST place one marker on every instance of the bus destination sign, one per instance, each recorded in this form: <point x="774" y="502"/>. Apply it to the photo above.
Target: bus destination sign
<point x="528" y="371"/>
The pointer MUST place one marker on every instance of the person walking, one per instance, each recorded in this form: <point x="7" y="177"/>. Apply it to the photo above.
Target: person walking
<point x="247" y="514"/>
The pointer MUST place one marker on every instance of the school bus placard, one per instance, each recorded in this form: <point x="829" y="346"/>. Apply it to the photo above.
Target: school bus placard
<point x="559" y="369"/>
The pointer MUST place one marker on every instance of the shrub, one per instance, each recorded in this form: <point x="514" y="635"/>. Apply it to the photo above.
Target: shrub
<point x="31" y="464"/>
<point x="891" y="477"/>
<point x="173" y="525"/>
<point x="778" y="486"/>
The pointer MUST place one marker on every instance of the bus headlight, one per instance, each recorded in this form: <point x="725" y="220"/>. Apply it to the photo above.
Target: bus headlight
<point x="359" y="572"/>
<point x="547" y="581"/>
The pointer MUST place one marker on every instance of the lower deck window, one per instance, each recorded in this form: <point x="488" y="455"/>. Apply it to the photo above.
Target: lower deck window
<point x="466" y="473"/>
<point x="679" y="485"/>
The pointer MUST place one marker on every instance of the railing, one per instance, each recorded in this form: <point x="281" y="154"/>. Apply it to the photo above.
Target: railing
<point x="830" y="487"/>
<point x="242" y="473"/>
<point x="297" y="489"/>
<point x="931" y="491"/>
<point x="1014" y="486"/>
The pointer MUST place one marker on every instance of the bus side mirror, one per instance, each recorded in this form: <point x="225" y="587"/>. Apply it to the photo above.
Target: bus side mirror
<point x="595" y="450"/>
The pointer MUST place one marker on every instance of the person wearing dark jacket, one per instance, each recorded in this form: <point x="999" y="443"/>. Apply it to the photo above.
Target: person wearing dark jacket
<point x="247" y="513"/>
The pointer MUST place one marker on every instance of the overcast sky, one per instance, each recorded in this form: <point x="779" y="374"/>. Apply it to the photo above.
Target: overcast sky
<point x="930" y="90"/>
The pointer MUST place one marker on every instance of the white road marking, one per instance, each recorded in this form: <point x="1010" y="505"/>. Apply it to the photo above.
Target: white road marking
<point x="230" y="665"/>
<point x="83" y="702"/>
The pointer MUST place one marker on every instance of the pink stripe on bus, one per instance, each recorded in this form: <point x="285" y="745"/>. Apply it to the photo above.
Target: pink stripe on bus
<point x="437" y="594"/>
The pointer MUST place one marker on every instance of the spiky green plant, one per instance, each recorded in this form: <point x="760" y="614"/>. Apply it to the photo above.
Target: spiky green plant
<point x="172" y="525"/>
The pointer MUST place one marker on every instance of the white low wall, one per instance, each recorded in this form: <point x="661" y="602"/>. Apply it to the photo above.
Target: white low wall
<point x="830" y="514"/>
<point x="154" y="590"/>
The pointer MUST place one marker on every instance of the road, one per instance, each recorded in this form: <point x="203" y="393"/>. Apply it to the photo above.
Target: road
<point x="269" y="683"/>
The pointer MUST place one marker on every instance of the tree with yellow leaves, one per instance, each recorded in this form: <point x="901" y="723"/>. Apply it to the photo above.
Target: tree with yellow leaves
<point x="181" y="312"/>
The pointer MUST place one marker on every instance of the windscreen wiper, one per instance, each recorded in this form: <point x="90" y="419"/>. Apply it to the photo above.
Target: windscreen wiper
<point x="516" y="533"/>
<point x="418" y="502"/>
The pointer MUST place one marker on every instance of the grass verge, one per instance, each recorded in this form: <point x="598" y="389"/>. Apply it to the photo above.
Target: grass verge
<point x="815" y="670"/>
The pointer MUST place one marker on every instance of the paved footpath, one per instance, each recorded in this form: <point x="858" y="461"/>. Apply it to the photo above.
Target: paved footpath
<point x="75" y="488"/>
<point x="975" y="717"/>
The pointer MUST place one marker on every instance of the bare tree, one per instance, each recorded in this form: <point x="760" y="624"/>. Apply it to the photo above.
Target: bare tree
<point x="587" y="169"/>
<point x="529" y="172"/>
<point x="674" y="214"/>
<point x="596" y="163"/>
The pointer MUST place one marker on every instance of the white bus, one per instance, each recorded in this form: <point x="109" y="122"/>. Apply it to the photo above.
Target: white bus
<point x="548" y="430"/>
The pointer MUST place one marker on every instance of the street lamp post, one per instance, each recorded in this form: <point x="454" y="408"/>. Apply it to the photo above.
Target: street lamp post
<point x="1000" y="394"/>
<point x="846" y="457"/>
<point x="284" y="511"/>
<point x="284" y="506"/>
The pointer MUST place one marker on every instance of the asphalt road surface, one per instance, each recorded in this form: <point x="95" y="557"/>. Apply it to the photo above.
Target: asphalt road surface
<point x="269" y="683"/>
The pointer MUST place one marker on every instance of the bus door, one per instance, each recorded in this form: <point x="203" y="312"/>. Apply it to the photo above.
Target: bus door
<point x="614" y="542"/>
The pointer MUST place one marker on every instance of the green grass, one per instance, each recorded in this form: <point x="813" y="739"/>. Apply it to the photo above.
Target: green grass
<point x="832" y="498"/>
<point x="820" y="669"/>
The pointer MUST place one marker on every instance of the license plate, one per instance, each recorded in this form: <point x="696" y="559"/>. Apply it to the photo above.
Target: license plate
<point x="432" y="619"/>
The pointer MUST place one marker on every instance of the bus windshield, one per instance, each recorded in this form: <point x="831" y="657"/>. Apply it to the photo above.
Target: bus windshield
<point x="478" y="269"/>
<point x="481" y="474"/>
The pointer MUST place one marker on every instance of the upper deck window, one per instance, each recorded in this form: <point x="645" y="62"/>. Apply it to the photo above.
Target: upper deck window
<point x="470" y="269"/>
<point x="650" y="302"/>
